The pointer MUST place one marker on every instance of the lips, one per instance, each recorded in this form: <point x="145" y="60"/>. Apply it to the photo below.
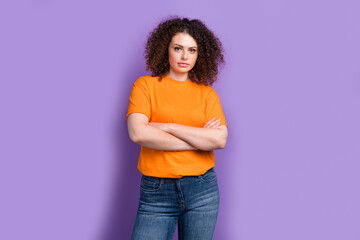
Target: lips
<point x="183" y="64"/>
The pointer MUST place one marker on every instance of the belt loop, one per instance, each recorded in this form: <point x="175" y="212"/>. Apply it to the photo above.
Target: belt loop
<point x="161" y="181"/>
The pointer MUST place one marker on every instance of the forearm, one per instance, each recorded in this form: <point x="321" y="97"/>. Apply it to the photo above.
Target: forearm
<point x="202" y="138"/>
<point x="151" y="137"/>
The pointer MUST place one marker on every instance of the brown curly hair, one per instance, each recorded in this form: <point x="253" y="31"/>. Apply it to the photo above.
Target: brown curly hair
<point x="210" y="51"/>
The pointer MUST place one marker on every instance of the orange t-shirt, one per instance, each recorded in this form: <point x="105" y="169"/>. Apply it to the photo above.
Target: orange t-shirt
<point x="181" y="102"/>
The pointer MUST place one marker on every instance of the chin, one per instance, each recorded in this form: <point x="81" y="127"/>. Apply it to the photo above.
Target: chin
<point x="182" y="71"/>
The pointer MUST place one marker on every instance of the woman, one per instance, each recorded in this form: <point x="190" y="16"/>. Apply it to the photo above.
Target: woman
<point x="176" y="117"/>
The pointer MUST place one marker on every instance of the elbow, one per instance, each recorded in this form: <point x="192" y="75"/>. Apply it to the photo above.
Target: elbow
<point x="138" y="139"/>
<point x="136" y="127"/>
<point x="135" y="136"/>
<point x="132" y="137"/>
<point x="216" y="143"/>
<point x="222" y="138"/>
<point x="222" y="144"/>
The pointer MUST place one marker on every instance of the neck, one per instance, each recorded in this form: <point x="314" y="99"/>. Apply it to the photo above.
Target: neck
<point x="178" y="76"/>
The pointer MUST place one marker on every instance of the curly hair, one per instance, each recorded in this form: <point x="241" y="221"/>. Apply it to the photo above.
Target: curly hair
<point x="210" y="51"/>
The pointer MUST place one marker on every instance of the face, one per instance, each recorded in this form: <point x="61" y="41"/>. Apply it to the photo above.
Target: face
<point x="183" y="53"/>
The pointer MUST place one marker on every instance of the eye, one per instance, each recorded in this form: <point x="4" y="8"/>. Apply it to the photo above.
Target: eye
<point x="177" y="48"/>
<point x="192" y="50"/>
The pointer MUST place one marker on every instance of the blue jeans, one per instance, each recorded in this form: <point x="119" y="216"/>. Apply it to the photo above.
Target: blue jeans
<point x="192" y="202"/>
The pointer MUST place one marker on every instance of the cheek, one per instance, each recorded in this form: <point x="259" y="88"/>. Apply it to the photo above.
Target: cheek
<point x="172" y="59"/>
<point x="172" y="56"/>
<point x="194" y="60"/>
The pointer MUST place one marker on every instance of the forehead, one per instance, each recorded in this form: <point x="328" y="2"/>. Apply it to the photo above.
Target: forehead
<point x="184" y="40"/>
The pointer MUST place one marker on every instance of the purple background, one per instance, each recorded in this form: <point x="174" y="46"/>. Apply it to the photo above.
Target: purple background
<point x="290" y="92"/>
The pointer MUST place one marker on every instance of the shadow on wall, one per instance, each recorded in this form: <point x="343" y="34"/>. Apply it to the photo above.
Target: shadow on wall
<point x="124" y="191"/>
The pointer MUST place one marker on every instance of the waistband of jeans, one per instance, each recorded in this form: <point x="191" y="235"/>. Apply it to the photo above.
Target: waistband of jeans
<point x="162" y="180"/>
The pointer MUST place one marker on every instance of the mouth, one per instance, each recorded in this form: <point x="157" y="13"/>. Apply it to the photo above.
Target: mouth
<point x="183" y="64"/>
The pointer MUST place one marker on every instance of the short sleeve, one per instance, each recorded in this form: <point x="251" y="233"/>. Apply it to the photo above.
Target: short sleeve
<point x="139" y="98"/>
<point x="213" y="107"/>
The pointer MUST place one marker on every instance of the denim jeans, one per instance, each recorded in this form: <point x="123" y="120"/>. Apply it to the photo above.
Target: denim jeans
<point x="192" y="202"/>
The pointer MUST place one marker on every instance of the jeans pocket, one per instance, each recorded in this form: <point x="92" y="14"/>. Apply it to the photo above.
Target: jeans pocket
<point x="150" y="184"/>
<point x="209" y="176"/>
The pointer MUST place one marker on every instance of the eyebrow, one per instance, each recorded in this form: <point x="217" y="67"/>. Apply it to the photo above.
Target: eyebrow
<point x="183" y="46"/>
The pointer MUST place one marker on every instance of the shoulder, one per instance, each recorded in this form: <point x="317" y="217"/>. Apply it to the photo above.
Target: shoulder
<point x="207" y="91"/>
<point x="210" y="92"/>
<point x="146" y="80"/>
<point x="204" y="88"/>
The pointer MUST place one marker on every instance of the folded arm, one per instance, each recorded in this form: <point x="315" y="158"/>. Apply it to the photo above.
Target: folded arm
<point x="149" y="136"/>
<point x="202" y="138"/>
<point x="176" y="137"/>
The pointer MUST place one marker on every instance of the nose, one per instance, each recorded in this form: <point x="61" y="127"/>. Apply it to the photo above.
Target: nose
<point x="185" y="55"/>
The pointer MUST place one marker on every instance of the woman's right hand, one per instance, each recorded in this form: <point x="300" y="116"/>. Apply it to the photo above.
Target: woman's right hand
<point x="212" y="123"/>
